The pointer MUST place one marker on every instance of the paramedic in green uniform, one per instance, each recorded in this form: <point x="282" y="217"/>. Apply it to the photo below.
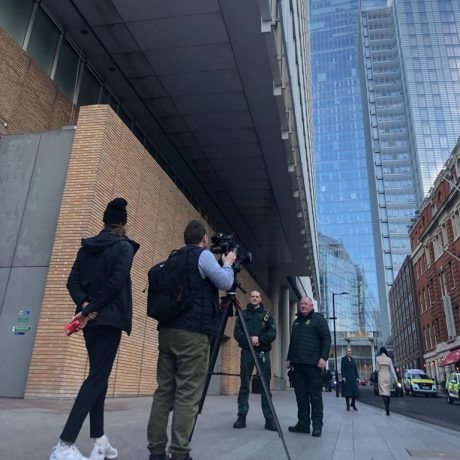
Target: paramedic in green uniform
<point x="262" y="332"/>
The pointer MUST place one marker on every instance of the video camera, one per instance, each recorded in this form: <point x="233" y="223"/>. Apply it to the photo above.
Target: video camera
<point x="223" y="243"/>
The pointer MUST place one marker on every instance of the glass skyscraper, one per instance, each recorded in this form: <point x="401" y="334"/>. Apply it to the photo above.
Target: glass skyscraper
<point x="430" y="47"/>
<point x="343" y="199"/>
<point x="391" y="155"/>
<point x="339" y="274"/>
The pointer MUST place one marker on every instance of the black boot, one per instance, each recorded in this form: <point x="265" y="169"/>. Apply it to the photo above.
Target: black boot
<point x="353" y="403"/>
<point x="161" y="456"/>
<point x="240" y="422"/>
<point x="348" y="403"/>
<point x="316" y="432"/>
<point x="270" y="424"/>
<point x="299" y="428"/>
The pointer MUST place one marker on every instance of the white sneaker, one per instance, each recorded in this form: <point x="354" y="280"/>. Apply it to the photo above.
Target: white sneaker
<point x="102" y="449"/>
<point x="66" y="452"/>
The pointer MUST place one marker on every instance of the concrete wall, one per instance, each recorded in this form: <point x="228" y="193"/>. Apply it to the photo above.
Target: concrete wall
<point x="32" y="174"/>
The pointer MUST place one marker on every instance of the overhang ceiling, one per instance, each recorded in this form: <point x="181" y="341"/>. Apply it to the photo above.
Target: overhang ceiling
<point x="196" y="76"/>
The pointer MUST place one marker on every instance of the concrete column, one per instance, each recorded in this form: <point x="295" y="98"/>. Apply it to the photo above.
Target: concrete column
<point x="373" y="355"/>
<point x="274" y="293"/>
<point x="293" y="307"/>
<point x="285" y="328"/>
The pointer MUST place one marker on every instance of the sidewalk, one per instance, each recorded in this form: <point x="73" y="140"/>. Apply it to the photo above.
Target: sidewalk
<point x="29" y="429"/>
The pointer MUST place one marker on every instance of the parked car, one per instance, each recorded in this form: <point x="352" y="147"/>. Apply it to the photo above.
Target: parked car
<point x="396" y="388"/>
<point x="453" y="387"/>
<point x="362" y="382"/>
<point x="417" y="381"/>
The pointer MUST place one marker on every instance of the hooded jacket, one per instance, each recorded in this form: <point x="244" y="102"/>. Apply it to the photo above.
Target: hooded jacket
<point x="101" y="276"/>
<point x="260" y="323"/>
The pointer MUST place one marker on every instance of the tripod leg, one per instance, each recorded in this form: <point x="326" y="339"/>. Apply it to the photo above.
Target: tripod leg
<point x="261" y="376"/>
<point x="215" y="346"/>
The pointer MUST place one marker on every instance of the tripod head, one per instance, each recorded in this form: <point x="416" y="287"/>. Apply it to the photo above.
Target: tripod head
<point x="230" y="300"/>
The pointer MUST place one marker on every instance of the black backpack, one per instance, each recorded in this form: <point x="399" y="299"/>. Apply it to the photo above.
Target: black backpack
<point x="167" y="294"/>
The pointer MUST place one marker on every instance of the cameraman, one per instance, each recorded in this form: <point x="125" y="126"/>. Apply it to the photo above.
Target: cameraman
<point x="261" y="327"/>
<point x="183" y="344"/>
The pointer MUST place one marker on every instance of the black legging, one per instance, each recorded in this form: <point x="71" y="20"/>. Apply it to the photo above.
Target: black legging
<point x="102" y="345"/>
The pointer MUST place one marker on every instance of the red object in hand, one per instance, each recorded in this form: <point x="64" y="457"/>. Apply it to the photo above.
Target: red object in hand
<point x="72" y="327"/>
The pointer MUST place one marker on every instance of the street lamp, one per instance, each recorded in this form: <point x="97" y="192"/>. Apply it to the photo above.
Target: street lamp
<point x="335" y="341"/>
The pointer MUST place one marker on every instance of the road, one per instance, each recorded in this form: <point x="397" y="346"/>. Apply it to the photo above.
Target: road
<point x="427" y="409"/>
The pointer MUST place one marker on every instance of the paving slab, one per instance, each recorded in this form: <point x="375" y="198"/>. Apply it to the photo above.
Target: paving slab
<point x="29" y="429"/>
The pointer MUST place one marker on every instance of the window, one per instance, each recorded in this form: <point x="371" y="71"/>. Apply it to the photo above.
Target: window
<point x="66" y="69"/>
<point x="429" y="295"/>
<point x="455" y="221"/>
<point x="43" y="41"/>
<point x="89" y="89"/>
<point x="15" y="16"/>
<point x="450" y="275"/>
<point x="437" y="246"/>
<point x="427" y="257"/>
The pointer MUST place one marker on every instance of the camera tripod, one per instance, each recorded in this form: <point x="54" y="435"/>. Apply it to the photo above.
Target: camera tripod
<point x="229" y="303"/>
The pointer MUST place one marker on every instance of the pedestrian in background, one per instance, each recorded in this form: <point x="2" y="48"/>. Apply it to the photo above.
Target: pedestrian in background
<point x="183" y="344"/>
<point x="386" y="377"/>
<point x="100" y="286"/>
<point x="308" y="353"/>
<point x="262" y="332"/>
<point x="350" y="377"/>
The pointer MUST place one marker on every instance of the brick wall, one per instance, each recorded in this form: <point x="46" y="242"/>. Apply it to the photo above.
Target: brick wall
<point x="108" y="161"/>
<point x="31" y="102"/>
<point x="29" y="99"/>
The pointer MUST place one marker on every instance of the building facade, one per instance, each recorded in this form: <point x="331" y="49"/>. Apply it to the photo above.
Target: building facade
<point x="405" y="319"/>
<point x="435" y="249"/>
<point x="187" y="112"/>
<point x="388" y="136"/>
<point x="338" y="274"/>
<point x="429" y="36"/>
<point x="343" y="196"/>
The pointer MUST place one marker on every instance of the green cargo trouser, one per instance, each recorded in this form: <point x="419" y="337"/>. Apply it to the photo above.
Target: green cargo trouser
<point x="181" y="370"/>
<point x="246" y="368"/>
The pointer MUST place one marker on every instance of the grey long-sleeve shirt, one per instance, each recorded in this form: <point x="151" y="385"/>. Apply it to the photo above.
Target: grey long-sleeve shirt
<point x="221" y="277"/>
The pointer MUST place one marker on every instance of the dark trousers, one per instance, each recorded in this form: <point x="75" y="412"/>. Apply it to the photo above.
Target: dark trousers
<point x="102" y="345"/>
<point x="246" y="368"/>
<point x="307" y="386"/>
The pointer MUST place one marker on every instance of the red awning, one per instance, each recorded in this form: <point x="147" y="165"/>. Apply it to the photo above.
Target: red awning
<point x="451" y="357"/>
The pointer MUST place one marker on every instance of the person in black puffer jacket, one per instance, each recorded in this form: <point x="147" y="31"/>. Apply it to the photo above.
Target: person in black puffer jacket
<point x="100" y="286"/>
<point x="308" y="353"/>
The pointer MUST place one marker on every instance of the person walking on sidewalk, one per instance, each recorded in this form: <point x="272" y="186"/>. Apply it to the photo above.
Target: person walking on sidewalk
<point x="100" y="286"/>
<point x="262" y="331"/>
<point x="386" y="377"/>
<point x="308" y="353"/>
<point x="350" y="377"/>
<point x="183" y="344"/>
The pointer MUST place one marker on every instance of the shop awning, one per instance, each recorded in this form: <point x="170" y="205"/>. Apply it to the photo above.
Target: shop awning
<point x="451" y="357"/>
